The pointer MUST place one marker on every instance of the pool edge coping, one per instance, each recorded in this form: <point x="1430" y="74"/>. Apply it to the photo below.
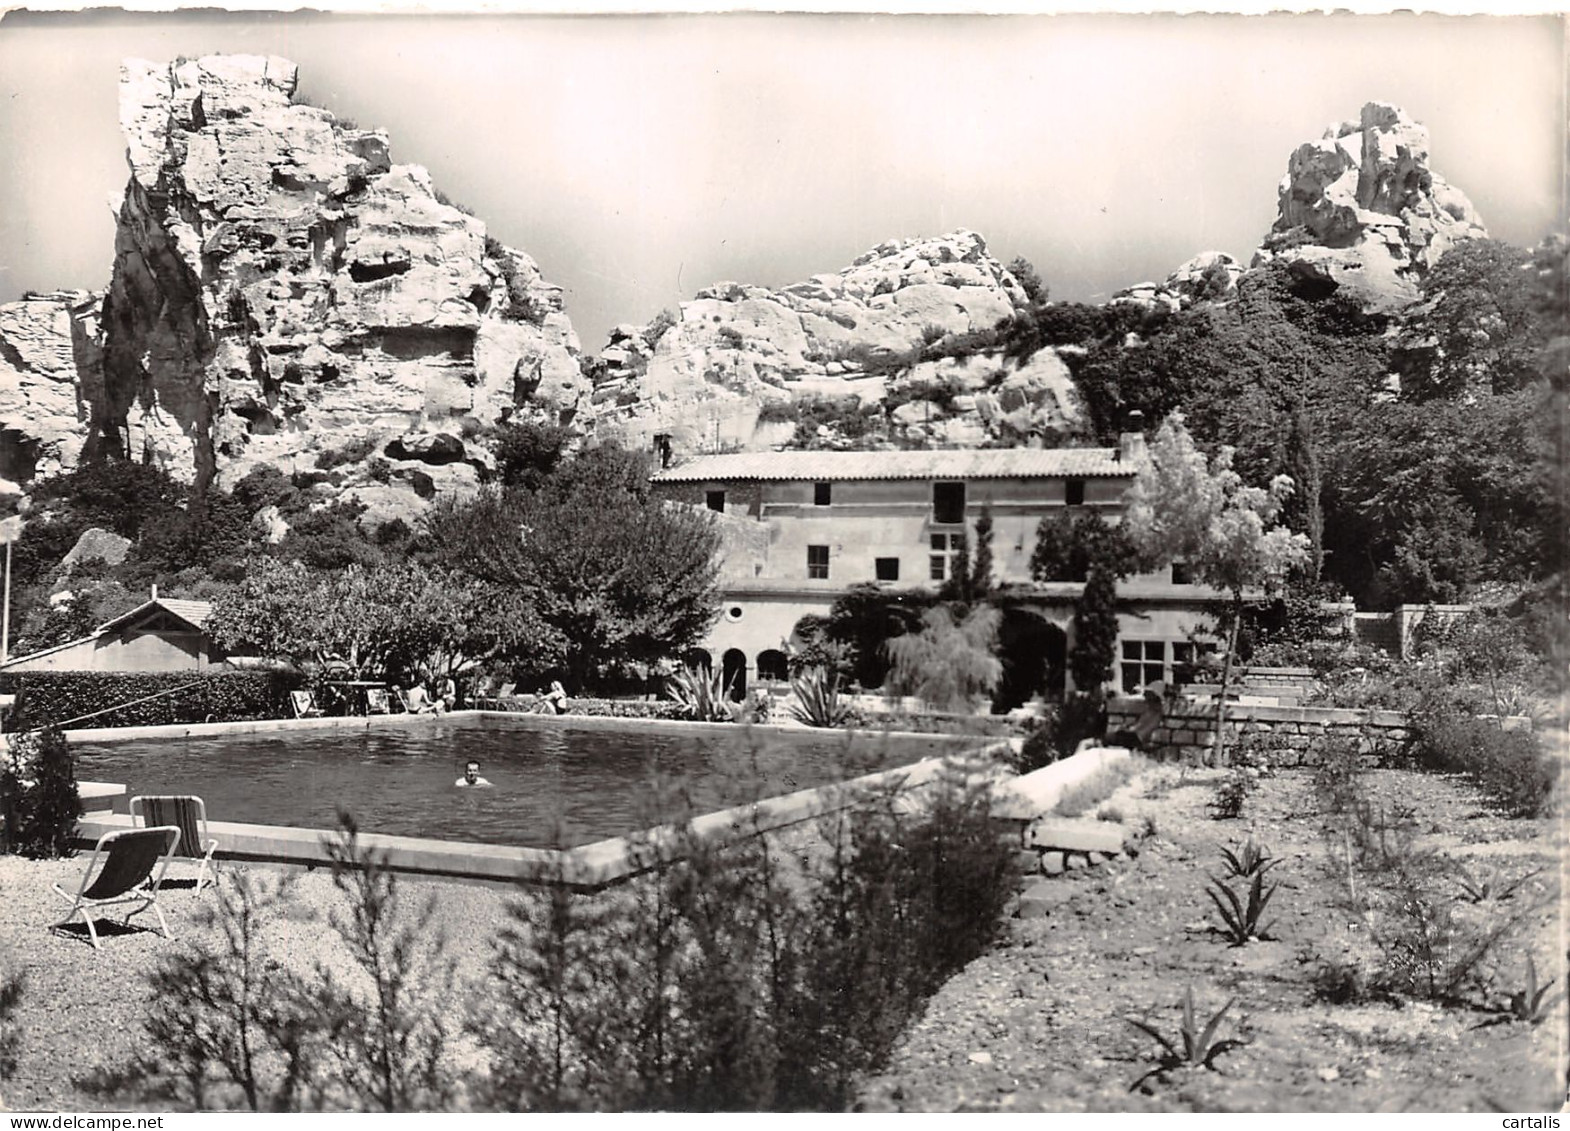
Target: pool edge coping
<point x="587" y="867"/>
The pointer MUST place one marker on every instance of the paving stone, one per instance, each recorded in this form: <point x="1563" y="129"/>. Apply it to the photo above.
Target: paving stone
<point x="1078" y="835"/>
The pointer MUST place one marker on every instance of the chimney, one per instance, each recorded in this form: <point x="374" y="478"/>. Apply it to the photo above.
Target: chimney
<point x="1131" y="443"/>
<point x="155" y="591"/>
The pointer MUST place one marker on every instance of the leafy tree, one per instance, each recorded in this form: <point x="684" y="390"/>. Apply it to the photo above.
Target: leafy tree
<point x="1185" y="507"/>
<point x="1478" y="329"/>
<point x="865" y="617"/>
<point x="949" y="664"/>
<point x="1070" y="544"/>
<point x="394" y="619"/>
<point x="623" y="578"/>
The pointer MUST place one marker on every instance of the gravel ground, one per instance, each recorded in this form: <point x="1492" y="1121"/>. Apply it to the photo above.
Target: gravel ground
<point x="1035" y="1025"/>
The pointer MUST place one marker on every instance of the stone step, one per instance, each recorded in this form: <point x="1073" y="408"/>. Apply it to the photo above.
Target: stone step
<point x="1075" y="835"/>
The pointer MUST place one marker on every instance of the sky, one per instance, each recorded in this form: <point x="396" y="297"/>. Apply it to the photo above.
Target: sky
<point x="641" y="158"/>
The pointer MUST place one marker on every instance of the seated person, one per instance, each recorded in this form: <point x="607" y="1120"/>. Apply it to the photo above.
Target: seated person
<point x="447" y="693"/>
<point x="557" y="697"/>
<point x="1138" y="738"/>
<point x="418" y="703"/>
<point x="471" y="777"/>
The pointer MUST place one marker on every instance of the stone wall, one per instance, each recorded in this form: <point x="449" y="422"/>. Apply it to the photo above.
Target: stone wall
<point x="1188" y="729"/>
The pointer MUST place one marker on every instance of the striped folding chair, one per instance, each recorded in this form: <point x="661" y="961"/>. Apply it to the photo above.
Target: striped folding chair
<point x="188" y="814"/>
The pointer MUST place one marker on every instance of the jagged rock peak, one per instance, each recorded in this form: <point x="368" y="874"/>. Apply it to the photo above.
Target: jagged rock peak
<point x="283" y="291"/>
<point x="1361" y="207"/>
<point x="701" y="375"/>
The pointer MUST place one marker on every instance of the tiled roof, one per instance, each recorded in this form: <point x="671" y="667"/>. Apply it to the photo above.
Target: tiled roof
<point x="985" y="463"/>
<point x="194" y="613"/>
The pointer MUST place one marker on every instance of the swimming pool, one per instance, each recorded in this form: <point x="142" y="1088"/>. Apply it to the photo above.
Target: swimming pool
<point x="555" y="784"/>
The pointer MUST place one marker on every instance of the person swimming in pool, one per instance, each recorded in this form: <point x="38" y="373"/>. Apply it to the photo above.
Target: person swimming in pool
<point x="471" y="777"/>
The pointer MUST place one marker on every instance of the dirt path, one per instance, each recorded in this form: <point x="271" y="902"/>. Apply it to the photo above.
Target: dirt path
<point x="1037" y="1024"/>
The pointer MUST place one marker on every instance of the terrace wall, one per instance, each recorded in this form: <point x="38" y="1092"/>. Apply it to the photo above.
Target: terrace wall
<point x="1188" y="728"/>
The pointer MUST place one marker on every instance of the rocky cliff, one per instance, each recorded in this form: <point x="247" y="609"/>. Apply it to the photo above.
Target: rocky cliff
<point x="284" y="293"/>
<point x="1361" y="210"/>
<point x="906" y="325"/>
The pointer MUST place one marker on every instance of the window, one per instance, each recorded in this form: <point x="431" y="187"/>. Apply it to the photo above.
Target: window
<point x="1144" y="661"/>
<point x="1180" y="574"/>
<point x="948" y="502"/>
<point x="716" y="501"/>
<point x="888" y="569"/>
<point x="946" y="549"/>
<point x="822" y="493"/>
<point x="818" y="561"/>
<point x="773" y="666"/>
<point x="1183" y="657"/>
<point x="1074" y="492"/>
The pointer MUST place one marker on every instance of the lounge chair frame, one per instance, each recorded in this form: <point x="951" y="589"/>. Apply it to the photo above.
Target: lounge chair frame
<point x="188" y="813"/>
<point x="128" y="875"/>
<point x="311" y="710"/>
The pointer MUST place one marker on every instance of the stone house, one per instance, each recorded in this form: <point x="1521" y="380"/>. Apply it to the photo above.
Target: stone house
<point x="801" y="527"/>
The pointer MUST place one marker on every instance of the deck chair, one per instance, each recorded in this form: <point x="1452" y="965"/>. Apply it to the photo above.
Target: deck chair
<point x="376" y="701"/>
<point x="499" y="700"/>
<point x="304" y="704"/>
<point x="134" y="862"/>
<point x="188" y="814"/>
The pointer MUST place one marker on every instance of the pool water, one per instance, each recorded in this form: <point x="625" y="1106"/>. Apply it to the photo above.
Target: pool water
<point x="553" y="785"/>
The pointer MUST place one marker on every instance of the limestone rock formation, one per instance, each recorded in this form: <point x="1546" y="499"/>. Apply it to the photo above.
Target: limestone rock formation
<point x="284" y="293"/>
<point x="49" y="371"/>
<point x="1360" y="209"/>
<point x="704" y="376"/>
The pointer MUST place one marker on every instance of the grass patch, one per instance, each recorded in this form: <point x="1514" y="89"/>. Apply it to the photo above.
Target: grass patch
<point x="1086" y="795"/>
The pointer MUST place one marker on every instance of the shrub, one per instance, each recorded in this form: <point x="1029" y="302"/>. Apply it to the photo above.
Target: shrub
<point x="353" y="452"/>
<point x="388" y="1027"/>
<point x="146" y="698"/>
<point x="39" y="803"/>
<point x="11" y="987"/>
<point x="732" y="976"/>
<point x="1509" y="766"/>
<point x="229" y="1024"/>
<point x="1232" y="793"/>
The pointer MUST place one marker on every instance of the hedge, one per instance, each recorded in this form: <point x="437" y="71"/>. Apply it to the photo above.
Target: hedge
<point x="53" y="698"/>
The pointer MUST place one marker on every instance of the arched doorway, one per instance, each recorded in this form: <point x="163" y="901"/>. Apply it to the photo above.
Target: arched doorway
<point x="733" y="673"/>
<point x="699" y="659"/>
<point x="1034" y="653"/>
<point x="773" y="667"/>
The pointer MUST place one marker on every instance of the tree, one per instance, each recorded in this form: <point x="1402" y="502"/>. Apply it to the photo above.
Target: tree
<point x="1095" y="632"/>
<point x="1478" y="329"/>
<point x="395" y="619"/>
<point x="949" y="664"/>
<point x="1183" y="507"/>
<point x="621" y="577"/>
<point x="981" y="579"/>
<point x="1069" y="545"/>
<point x="1029" y="280"/>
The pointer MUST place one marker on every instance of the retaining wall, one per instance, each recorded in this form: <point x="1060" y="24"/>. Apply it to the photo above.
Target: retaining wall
<point x="1188" y="728"/>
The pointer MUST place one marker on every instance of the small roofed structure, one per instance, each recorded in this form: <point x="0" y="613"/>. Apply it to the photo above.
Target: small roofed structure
<point x="159" y="635"/>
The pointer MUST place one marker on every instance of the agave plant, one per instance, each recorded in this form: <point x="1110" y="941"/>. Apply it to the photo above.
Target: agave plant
<point x="1195" y="1047"/>
<point x="1242" y="917"/>
<point x="1532" y="1004"/>
<point x="1490" y="884"/>
<point x="816" y="693"/>
<point x="1249" y="859"/>
<point x="702" y="694"/>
